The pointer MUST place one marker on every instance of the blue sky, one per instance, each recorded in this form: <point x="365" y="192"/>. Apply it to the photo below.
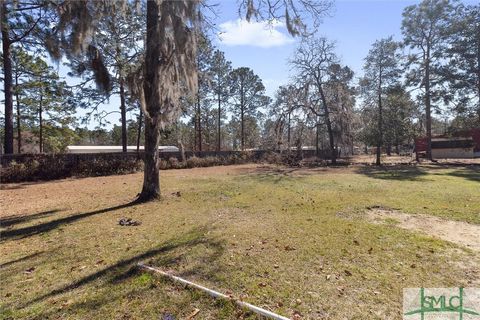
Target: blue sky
<point x="353" y="24"/>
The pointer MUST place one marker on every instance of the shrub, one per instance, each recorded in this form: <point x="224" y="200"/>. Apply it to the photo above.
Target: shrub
<point x="49" y="167"/>
<point x="272" y="157"/>
<point x="107" y="166"/>
<point x="164" y="164"/>
<point x="194" y="162"/>
<point x="174" y="163"/>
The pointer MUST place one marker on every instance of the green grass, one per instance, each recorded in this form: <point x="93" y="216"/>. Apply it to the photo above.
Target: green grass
<point x="292" y="241"/>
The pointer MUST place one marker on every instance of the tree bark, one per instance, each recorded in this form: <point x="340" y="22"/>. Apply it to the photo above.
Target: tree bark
<point x="199" y="126"/>
<point x="40" y="119"/>
<point x="151" y="179"/>
<point x="123" y="112"/>
<point x="478" y="76"/>
<point x="7" y="81"/>
<point x="380" y="121"/>
<point x="428" y="106"/>
<point x="317" y="138"/>
<point x="329" y="126"/>
<point x="19" y="122"/>
<point x="219" y="123"/>
<point x="288" y="132"/>
<point x="139" y="132"/>
<point x="242" y="111"/>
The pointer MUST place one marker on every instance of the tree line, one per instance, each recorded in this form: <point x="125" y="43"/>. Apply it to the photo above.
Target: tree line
<point x="158" y="59"/>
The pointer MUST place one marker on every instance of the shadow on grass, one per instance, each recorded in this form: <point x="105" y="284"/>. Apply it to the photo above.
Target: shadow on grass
<point x="399" y="173"/>
<point x="16" y="185"/>
<point x="470" y="173"/>
<point x="13" y="220"/>
<point x="22" y="259"/>
<point x="163" y="256"/>
<point x="50" y="225"/>
<point x="271" y="174"/>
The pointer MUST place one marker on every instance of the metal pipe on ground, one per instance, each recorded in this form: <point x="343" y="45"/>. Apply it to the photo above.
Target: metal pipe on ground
<point x="216" y="294"/>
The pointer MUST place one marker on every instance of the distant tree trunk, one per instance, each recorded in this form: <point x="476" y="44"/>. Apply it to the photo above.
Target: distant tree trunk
<point x="288" y="132"/>
<point x="123" y="111"/>
<point x="7" y="81"/>
<point x="219" y="123"/>
<point x="478" y="79"/>
<point x="199" y="119"/>
<point x="195" y="129"/>
<point x="40" y="119"/>
<point x="389" y="149"/>
<point x="427" y="105"/>
<point x="139" y="132"/>
<point x="329" y="126"/>
<point x="242" y="111"/>
<point x="380" y="121"/>
<point x="182" y="151"/>
<point x="19" y="123"/>
<point x="317" y="138"/>
<point x="151" y="180"/>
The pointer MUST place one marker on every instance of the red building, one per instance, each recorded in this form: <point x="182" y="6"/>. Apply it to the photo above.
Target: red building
<point x="464" y="144"/>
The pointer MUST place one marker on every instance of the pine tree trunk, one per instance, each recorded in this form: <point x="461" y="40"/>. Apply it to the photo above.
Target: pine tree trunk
<point x="317" y="138"/>
<point x="199" y="115"/>
<point x="219" y="141"/>
<point x="478" y="76"/>
<point x="7" y="81"/>
<point x="380" y="121"/>
<point x="427" y="105"/>
<point x="19" y="122"/>
<point x="151" y="179"/>
<point x="195" y="129"/>
<point x="123" y="112"/>
<point x="40" y="119"/>
<point x="242" y="111"/>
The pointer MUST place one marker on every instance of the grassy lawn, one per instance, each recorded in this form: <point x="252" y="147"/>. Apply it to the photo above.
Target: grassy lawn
<point x="289" y="240"/>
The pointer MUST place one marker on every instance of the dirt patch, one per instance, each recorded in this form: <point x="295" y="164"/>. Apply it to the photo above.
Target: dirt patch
<point x="461" y="233"/>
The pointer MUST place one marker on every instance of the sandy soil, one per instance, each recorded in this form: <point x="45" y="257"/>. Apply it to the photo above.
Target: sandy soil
<point x="461" y="233"/>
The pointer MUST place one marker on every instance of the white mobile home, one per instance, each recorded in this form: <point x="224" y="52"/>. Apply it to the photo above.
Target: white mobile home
<point x="111" y="149"/>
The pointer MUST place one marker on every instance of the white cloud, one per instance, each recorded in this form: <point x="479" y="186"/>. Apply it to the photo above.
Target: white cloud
<point x="258" y="34"/>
